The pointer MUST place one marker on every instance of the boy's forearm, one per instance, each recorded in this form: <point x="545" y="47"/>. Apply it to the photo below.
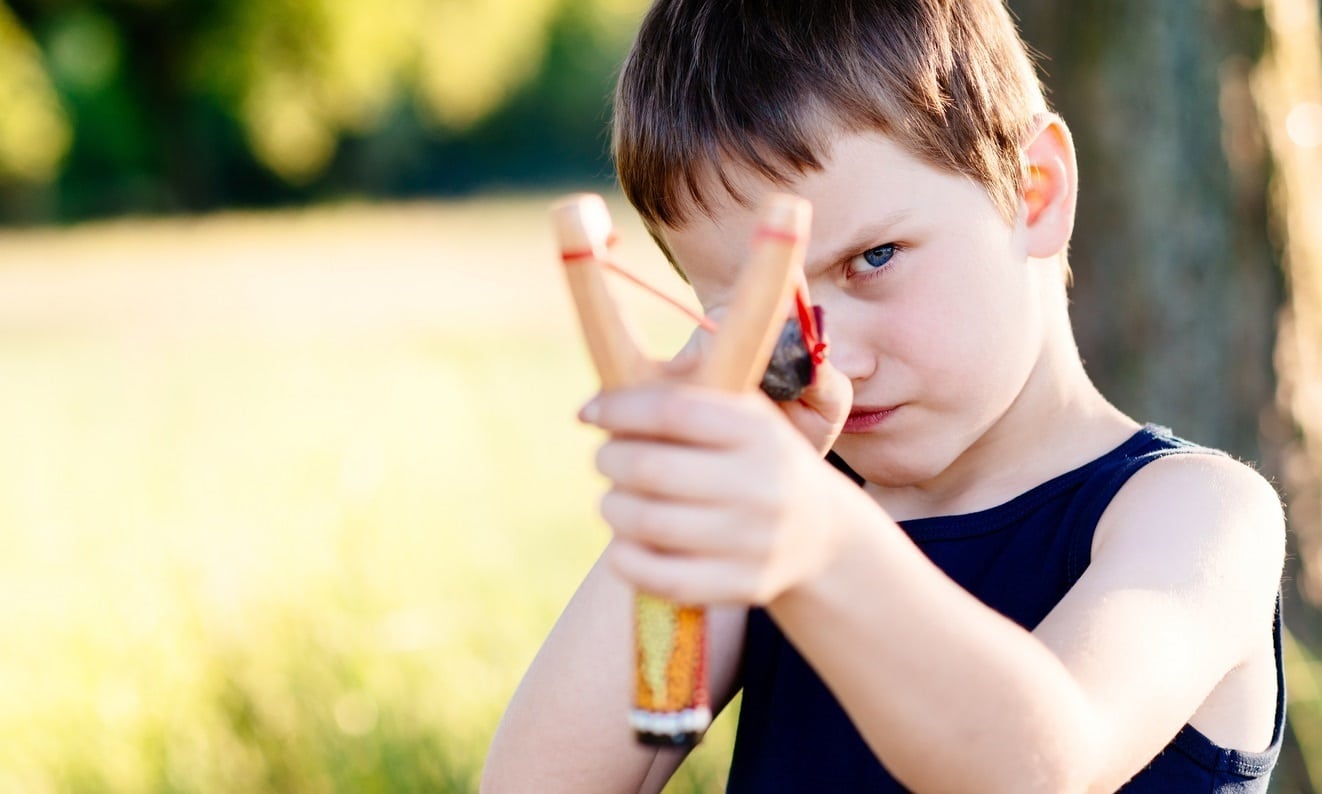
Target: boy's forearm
<point x="563" y="728"/>
<point x="566" y="727"/>
<point x="924" y="670"/>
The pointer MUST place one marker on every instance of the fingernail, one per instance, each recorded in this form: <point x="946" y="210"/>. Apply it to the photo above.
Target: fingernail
<point x="590" y="412"/>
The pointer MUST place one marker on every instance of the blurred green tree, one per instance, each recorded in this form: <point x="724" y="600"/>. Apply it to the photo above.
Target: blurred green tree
<point x="34" y="131"/>
<point x="150" y="107"/>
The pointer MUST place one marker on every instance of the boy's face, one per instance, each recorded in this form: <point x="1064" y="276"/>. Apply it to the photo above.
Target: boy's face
<point x="930" y="298"/>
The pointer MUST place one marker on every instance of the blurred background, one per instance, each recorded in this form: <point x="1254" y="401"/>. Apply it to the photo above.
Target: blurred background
<point x="290" y="487"/>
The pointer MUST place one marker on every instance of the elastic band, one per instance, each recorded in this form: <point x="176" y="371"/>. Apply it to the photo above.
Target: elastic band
<point x="703" y="322"/>
<point x="808" y="327"/>
<point x="578" y="256"/>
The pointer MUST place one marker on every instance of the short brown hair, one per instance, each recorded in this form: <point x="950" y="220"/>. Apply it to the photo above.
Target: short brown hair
<point x="766" y="83"/>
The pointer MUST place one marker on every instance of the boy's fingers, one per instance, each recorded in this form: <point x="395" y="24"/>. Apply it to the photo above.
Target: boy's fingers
<point x="821" y="411"/>
<point x="666" y="471"/>
<point x="830" y="393"/>
<point x="672" y="527"/>
<point x="685" y="580"/>
<point x="676" y="412"/>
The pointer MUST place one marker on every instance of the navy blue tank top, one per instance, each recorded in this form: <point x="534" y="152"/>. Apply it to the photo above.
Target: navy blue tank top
<point x="1019" y="558"/>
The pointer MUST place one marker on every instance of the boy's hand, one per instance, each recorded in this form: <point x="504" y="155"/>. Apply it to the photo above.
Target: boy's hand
<point x="716" y="497"/>
<point x="819" y="413"/>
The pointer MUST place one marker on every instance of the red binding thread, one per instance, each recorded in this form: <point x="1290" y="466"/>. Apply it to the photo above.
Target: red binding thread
<point x="586" y="253"/>
<point x="768" y="233"/>
<point x="812" y="339"/>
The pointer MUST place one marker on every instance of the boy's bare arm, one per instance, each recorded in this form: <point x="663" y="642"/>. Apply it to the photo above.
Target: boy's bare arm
<point x="725" y="503"/>
<point x="1187" y="555"/>
<point x="1186" y="570"/>
<point x="566" y="727"/>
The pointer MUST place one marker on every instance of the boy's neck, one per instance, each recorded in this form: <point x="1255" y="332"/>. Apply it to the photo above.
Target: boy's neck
<point x="1058" y="422"/>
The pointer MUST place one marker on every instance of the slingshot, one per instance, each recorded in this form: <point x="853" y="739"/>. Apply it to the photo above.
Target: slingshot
<point x="672" y="705"/>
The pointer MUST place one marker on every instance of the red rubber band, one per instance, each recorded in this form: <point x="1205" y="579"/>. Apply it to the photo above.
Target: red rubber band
<point x="812" y="341"/>
<point x="705" y="323"/>
<point x="575" y="257"/>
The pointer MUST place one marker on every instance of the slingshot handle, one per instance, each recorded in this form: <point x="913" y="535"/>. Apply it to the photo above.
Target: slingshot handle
<point x="672" y="704"/>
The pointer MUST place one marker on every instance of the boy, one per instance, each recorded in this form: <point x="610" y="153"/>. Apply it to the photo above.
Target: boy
<point x="1030" y="591"/>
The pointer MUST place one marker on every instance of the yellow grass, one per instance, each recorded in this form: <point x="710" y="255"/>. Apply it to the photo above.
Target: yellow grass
<point x="288" y="501"/>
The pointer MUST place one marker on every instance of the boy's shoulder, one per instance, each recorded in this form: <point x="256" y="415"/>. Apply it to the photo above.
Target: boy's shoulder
<point x="1195" y="517"/>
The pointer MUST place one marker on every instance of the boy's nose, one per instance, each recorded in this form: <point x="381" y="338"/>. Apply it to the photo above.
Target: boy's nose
<point x="848" y="350"/>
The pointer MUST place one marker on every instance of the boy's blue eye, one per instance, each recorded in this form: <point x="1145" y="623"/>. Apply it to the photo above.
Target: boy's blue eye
<point x="873" y="259"/>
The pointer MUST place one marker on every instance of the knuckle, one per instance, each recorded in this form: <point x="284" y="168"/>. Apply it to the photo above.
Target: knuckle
<point x="619" y="565"/>
<point x="604" y="459"/>
<point x="612" y="508"/>
<point x="636" y="518"/>
<point x="622" y="557"/>
<point x="627" y="463"/>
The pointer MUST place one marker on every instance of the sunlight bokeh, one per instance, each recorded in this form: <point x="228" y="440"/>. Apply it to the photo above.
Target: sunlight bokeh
<point x="34" y="131"/>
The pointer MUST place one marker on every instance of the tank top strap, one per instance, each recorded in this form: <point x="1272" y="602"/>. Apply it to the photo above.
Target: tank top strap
<point x="1106" y="476"/>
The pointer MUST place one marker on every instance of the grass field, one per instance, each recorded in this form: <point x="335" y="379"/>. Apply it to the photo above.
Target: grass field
<point x="288" y="501"/>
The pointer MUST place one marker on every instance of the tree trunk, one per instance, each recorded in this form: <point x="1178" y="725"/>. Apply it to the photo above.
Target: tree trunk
<point x="1196" y="212"/>
<point x="1289" y="89"/>
<point x="1176" y="285"/>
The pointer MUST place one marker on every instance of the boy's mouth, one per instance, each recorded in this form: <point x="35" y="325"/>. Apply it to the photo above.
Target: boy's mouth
<point x="863" y="418"/>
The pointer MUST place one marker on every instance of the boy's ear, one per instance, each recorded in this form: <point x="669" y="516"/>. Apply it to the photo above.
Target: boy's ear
<point x="1050" y="186"/>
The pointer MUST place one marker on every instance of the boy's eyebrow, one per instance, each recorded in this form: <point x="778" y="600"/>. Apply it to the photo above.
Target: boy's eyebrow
<point x="863" y="238"/>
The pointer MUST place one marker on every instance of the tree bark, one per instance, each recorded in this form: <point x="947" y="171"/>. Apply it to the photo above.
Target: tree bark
<point x="1289" y="82"/>
<point x="1198" y="246"/>
<point x="1176" y="283"/>
<point x="1288" y="87"/>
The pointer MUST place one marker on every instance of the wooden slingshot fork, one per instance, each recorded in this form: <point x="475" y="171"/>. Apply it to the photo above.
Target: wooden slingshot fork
<point x="671" y="700"/>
